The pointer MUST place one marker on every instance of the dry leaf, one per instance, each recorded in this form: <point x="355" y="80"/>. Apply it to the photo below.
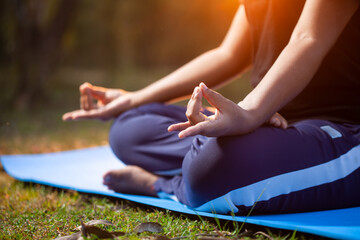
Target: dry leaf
<point x="88" y="229"/>
<point x="149" y="227"/>
<point x="96" y="222"/>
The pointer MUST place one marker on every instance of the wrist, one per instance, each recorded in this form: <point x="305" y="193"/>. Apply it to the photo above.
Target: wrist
<point x="139" y="97"/>
<point x="251" y="116"/>
<point x="132" y="99"/>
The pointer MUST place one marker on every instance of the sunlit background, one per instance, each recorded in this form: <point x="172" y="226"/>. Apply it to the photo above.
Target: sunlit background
<point x="49" y="47"/>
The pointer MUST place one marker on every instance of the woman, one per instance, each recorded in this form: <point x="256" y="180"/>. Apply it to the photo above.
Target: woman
<point x="305" y="58"/>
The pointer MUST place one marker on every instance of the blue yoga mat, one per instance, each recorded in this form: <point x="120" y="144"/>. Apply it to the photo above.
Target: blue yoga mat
<point x="82" y="170"/>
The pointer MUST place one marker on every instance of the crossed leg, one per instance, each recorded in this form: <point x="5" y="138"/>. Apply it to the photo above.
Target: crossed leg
<point x="312" y="165"/>
<point x="139" y="137"/>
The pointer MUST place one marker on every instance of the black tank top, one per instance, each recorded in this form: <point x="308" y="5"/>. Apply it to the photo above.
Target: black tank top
<point x="334" y="92"/>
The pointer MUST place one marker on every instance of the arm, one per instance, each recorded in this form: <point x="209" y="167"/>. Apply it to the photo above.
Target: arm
<point x="232" y="57"/>
<point x="318" y="28"/>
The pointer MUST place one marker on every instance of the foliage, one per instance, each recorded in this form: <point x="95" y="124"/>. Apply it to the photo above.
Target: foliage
<point x="40" y="38"/>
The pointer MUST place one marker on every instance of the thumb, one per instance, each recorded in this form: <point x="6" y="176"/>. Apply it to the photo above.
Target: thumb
<point x="97" y="92"/>
<point x="214" y="98"/>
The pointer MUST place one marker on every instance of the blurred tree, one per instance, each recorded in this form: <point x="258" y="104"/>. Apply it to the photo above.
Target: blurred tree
<point x="39" y="28"/>
<point x="170" y="33"/>
<point x="83" y="39"/>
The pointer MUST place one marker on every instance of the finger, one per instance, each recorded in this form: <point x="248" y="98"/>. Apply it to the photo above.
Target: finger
<point x="278" y="121"/>
<point x="68" y="116"/>
<point x="214" y="98"/>
<point x="81" y="114"/>
<point x="84" y="96"/>
<point x="194" y="106"/>
<point x="179" y="126"/>
<point x="284" y="123"/>
<point x="90" y="100"/>
<point x="98" y="92"/>
<point x="86" y="101"/>
<point x="274" y="121"/>
<point x="84" y="86"/>
<point x="83" y="102"/>
<point x="194" y="130"/>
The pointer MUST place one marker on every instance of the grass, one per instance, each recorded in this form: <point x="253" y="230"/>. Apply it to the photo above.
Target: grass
<point x="32" y="211"/>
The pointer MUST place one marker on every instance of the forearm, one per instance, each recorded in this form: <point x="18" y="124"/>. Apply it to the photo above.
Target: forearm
<point x="317" y="30"/>
<point x="213" y="68"/>
<point x="289" y="75"/>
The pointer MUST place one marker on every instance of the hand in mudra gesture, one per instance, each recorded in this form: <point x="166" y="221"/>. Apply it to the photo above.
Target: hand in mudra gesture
<point x="229" y="118"/>
<point x="99" y="103"/>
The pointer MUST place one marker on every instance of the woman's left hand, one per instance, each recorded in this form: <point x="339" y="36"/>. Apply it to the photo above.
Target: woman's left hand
<point x="278" y="121"/>
<point x="228" y="119"/>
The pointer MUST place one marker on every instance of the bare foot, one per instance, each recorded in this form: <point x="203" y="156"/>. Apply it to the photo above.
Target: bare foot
<point x="131" y="179"/>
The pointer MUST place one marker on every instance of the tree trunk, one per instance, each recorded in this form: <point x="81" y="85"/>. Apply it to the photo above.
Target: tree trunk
<point x="38" y="46"/>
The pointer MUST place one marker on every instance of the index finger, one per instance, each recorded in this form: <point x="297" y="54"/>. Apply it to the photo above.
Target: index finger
<point x="179" y="126"/>
<point x="193" y="130"/>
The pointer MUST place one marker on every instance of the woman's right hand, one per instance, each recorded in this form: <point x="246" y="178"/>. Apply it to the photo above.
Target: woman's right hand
<point x="100" y="103"/>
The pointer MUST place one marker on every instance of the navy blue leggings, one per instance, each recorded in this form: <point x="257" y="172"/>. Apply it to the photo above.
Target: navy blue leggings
<point x="312" y="165"/>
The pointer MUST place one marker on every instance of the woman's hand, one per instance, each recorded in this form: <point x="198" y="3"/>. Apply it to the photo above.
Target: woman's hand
<point x="228" y="119"/>
<point x="93" y="97"/>
<point x="99" y="103"/>
<point x="278" y="121"/>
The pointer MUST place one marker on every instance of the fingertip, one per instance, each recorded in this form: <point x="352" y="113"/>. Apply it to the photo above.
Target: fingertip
<point x="277" y="123"/>
<point x="66" y="117"/>
<point x="181" y="135"/>
<point x="186" y="133"/>
<point x="206" y="92"/>
<point x="86" y="87"/>
<point x="170" y="129"/>
<point x="83" y="87"/>
<point x="203" y="86"/>
<point x="87" y="84"/>
<point x="173" y="128"/>
<point x="196" y="91"/>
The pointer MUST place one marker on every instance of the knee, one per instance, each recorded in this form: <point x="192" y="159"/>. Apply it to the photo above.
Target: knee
<point x="124" y="138"/>
<point x="118" y="139"/>
<point x="132" y="139"/>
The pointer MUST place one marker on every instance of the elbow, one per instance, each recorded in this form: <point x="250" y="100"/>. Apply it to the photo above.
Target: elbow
<point x="315" y="44"/>
<point x="304" y="39"/>
<point x="309" y="45"/>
